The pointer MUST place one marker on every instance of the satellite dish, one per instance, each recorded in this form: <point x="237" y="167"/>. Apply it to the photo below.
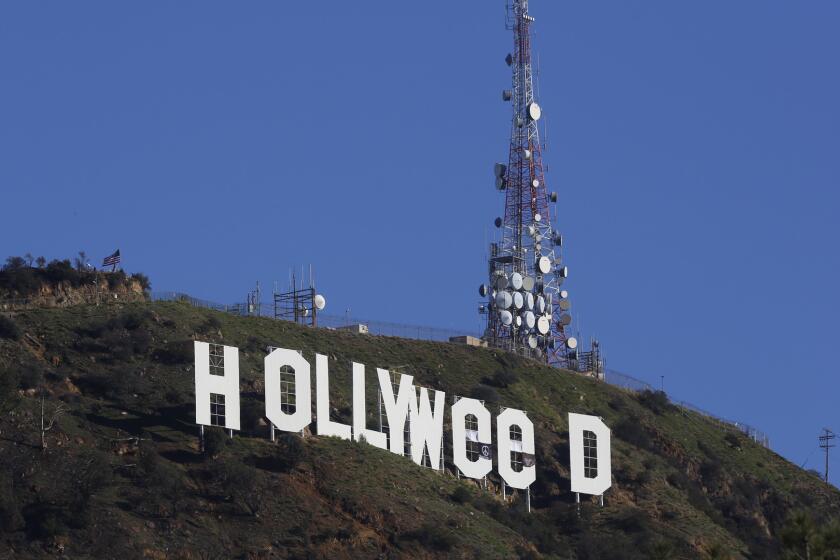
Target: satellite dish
<point x="483" y="290"/>
<point x="509" y="59"/>
<point x="553" y="197"/>
<point x="529" y="300"/>
<point x="529" y="319"/>
<point x="535" y="183"/>
<point x="519" y="122"/>
<point x="558" y="240"/>
<point x="544" y="265"/>
<point x="564" y="304"/>
<point x="527" y="154"/>
<point x="503" y="300"/>
<point x="537" y="218"/>
<point x="498" y="222"/>
<point x="540" y="306"/>
<point x="532" y="341"/>
<point x="528" y="283"/>
<point x="518" y="321"/>
<point x="516" y="281"/>
<point x="532" y="231"/>
<point x="563" y="271"/>
<point x="319" y="301"/>
<point x="543" y="325"/>
<point x="565" y="320"/>
<point x="501" y="282"/>
<point x="564" y="294"/>
<point x="571" y="343"/>
<point x="482" y="309"/>
<point x="518" y="300"/>
<point x="506" y="317"/>
<point x="507" y="95"/>
<point x="499" y="169"/>
<point x="500" y="183"/>
<point x="305" y="312"/>
<point x="534" y="111"/>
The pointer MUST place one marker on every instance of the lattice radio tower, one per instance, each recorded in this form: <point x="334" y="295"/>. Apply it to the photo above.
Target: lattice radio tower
<point x="525" y="306"/>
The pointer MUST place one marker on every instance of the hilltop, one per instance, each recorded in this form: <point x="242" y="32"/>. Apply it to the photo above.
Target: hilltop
<point x="122" y="474"/>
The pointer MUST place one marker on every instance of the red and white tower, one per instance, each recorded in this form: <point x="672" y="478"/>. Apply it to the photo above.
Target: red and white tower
<point x="526" y="307"/>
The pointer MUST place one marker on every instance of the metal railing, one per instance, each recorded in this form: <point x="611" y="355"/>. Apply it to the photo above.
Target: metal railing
<point x="380" y="328"/>
<point x="630" y="383"/>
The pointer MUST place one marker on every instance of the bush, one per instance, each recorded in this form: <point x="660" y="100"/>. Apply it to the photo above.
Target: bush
<point x="433" y="537"/>
<point x="656" y="401"/>
<point x="252" y="412"/>
<point x="9" y="329"/>
<point x="631" y="431"/>
<point x="503" y="379"/>
<point x="30" y="377"/>
<point x="176" y="352"/>
<point x="461" y="495"/>
<point x="215" y="441"/>
<point x="143" y="280"/>
<point x="733" y="440"/>
<point x="289" y="453"/>
<point x="485" y="393"/>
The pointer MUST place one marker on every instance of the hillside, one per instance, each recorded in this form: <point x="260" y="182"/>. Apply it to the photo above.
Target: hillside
<point x="122" y="475"/>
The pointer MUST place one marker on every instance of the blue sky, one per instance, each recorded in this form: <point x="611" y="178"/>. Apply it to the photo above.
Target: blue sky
<point x="694" y="146"/>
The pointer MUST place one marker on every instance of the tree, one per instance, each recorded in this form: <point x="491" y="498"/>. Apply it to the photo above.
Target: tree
<point x="41" y="262"/>
<point x="81" y="261"/>
<point x="48" y="420"/>
<point x="14" y="263"/>
<point x="29" y="258"/>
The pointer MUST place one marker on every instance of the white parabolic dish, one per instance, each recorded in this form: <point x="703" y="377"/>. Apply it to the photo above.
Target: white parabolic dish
<point x="503" y="300"/>
<point x="544" y="265"/>
<point x="543" y="325"/>
<point x="506" y="317"/>
<point x="529" y="319"/>
<point x="516" y="281"/>
<point x="319" y="301"/>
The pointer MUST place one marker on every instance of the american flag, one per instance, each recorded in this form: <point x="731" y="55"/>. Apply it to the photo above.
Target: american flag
<point x="112" y="260"/>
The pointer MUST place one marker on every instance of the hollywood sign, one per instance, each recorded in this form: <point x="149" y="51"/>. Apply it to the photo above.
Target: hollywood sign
<point x="589" y="437"/>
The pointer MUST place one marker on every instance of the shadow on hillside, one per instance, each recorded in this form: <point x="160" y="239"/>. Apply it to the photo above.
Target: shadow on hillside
<point x="136" y="422"/>
<point x="182" y="456"/>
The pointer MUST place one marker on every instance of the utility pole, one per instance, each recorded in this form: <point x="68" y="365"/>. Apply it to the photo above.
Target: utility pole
<point x="825" y="440"/>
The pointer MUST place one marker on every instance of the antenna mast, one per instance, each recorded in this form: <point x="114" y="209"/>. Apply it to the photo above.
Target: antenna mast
<point x="825" y="440"/>
<point x="526" y="308"/>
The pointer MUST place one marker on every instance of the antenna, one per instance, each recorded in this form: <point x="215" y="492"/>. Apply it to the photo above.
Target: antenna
<point x="525" y="267"/>
<point x="827" y="437"/>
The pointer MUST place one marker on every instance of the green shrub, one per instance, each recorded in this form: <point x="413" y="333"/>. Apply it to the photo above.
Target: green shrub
<point x="631" y="431"/>
<point x="432" y="537"/>
<point x="290" y="452"/>
<point x="143" y="280"/>
<point x="215" y="441"/>
<point x="461" y="495"/>
<point x="176" y="352"/>
<point x="9" y="329"/>
<point x="503" y="379"/>
<point x="251" y="413"/>
<point x="656" y="401"/>
<point x="485" y="393"/>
